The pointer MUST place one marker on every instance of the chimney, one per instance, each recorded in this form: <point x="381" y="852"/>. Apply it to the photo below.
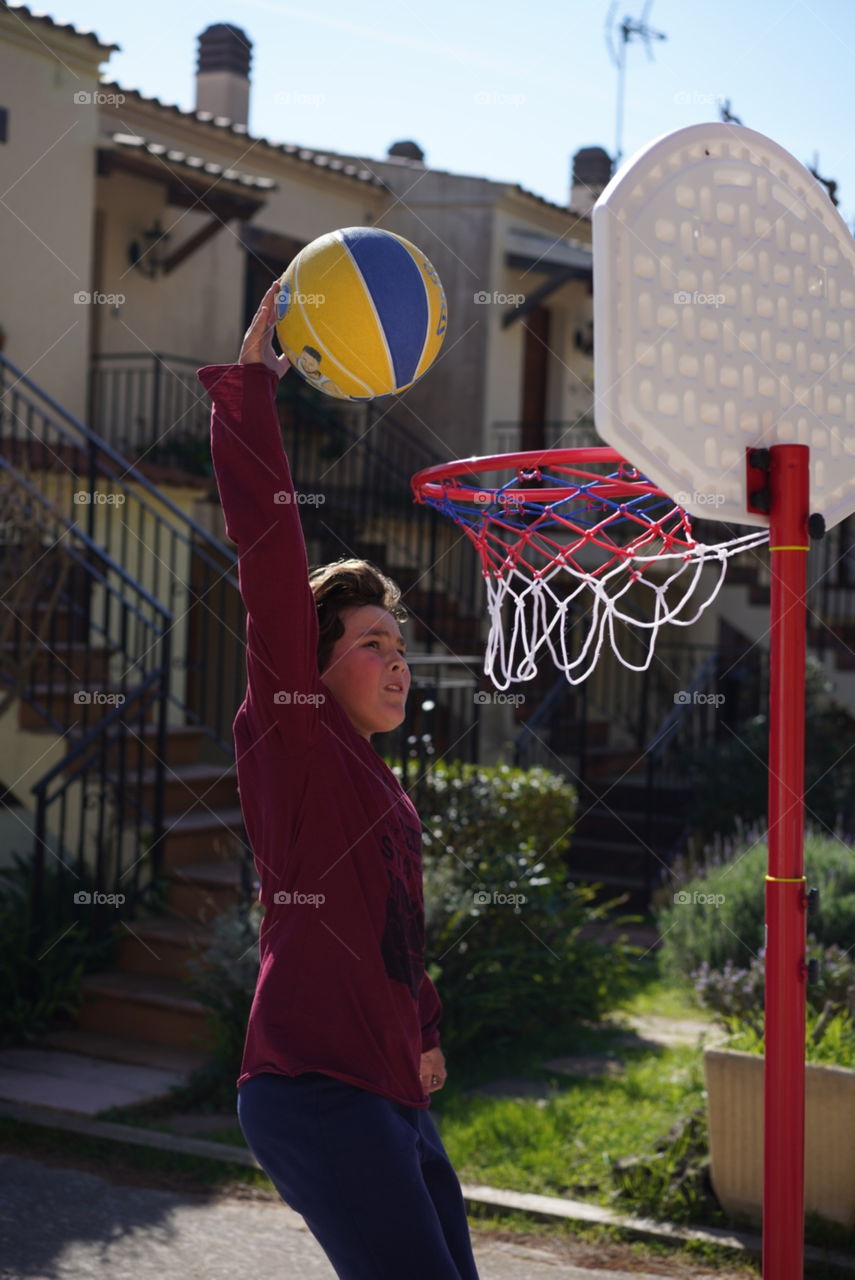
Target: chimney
<point x="406" y="151"/>
<point x="222" y="73"/>
<point x="592" y="170"/>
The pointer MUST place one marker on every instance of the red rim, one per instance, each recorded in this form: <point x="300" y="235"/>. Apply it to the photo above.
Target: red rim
<point x="440" y="481"/>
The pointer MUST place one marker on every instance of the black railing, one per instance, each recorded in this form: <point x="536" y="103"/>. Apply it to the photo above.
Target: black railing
<point x="179" y="564"/>
<point x="127" y="542"/>
<point x="831" y="592"/>
<point x="137" y="397"/>
<point x="442" y="720"/>
<point x="87" y="649"/>
<point x="100" y="815"/>
<point x="354" y="491"/>
<point x="351" y="464"/>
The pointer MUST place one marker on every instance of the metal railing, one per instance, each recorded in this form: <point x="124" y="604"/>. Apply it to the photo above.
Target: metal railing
<point x="128" y="545"/>
<point x="136" y="397"/>
<point x="110" y="810"/>
<point x="356" y="460"/>
<point x="174" y="559"/>
<point x="442" y="721"/>
<point x="83" y="642"/>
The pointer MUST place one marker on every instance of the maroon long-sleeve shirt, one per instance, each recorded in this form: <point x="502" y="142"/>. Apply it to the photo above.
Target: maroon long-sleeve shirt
<point x="336" y="841"/>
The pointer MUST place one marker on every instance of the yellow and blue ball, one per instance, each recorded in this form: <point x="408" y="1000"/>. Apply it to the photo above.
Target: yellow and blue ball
<point x="361" y="313"/>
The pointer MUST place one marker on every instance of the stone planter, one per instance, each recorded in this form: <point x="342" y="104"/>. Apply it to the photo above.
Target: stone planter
<point x="735" y="1107"/>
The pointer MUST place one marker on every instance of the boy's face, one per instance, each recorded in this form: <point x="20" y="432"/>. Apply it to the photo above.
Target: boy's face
<point x="367" y="672"/>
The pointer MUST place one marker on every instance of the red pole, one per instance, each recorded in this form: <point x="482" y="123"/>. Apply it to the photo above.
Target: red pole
<point x="786" y="967"/>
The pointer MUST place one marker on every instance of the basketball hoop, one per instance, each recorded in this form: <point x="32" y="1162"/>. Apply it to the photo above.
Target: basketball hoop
<point x="561" y="523"/>
<point x="724" y="305"/>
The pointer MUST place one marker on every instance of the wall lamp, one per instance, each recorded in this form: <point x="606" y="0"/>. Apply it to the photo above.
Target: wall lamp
<point x="148" y="253"/>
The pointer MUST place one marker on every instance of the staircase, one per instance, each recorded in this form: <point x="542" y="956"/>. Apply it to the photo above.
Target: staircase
<point x="121" y="656"/>
<point x="621" y="737"/>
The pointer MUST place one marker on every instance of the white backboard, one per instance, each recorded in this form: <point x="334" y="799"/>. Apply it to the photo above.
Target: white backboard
<point x="724" y="317"/>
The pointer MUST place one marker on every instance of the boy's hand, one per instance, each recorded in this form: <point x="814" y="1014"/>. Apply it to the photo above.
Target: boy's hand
<point x="432" y="1071"/>
<point x="257" y="346"/>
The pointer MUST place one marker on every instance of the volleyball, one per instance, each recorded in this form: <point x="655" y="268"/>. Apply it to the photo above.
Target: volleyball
<point x="361" y="313"/>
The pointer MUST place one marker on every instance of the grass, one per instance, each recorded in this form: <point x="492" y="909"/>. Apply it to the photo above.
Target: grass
<point x="561" y="1144"/>
<point x="661" y="998"/>
<point x="565" y="1145"/>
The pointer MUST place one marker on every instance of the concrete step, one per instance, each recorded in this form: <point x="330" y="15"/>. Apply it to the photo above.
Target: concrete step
<point x="71" y="1082"/>
<point x="612" y="857"/>
<point x="144" y="1007"/>
<point x="71" y="703"/>
<point x="630" y="792"/>
<point x="187" y="787"/>
<point x="604" y="761"/>
<point x="183" y="743"/>
<point x="111" y="1048"/>
<point x="163" y="947"/>
<point x="203" y="836"/>
<point x="71" y="660"/>
<point x="607" y="822"/>
<point x="54" y="624"/>
<point x="200" y="890"/>
<point x="566" y="735"/>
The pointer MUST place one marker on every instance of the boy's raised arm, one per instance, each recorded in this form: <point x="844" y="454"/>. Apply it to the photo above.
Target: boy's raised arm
<point x="262" y="517"/>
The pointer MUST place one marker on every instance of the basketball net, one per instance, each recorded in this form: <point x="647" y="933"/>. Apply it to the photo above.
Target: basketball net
<point x="577" y="548"/>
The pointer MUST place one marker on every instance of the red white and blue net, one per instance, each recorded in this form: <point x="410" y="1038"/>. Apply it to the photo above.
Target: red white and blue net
<point x="574" y="537"/>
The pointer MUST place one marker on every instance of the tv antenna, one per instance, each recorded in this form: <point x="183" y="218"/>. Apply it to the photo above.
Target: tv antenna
<point x="617" y="40"/>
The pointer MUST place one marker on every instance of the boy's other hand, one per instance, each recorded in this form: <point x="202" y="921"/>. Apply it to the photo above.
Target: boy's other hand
<point x="257" y="345"/>
<point x="432" y="1070"/>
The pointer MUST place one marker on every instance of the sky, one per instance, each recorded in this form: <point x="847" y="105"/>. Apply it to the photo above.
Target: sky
<point x="504" y="89"/>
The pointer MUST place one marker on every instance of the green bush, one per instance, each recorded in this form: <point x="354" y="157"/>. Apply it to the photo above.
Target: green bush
<point x="503" y="969"/>
<point x="223" y="977"/>
<point x="509" y="969"/>
<point x="41" y="963"/>
<point x="696" y="931"/>
<point x="736" y="997"/>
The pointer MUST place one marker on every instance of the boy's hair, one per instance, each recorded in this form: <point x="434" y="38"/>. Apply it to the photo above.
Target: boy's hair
<point x="347" y="584"/>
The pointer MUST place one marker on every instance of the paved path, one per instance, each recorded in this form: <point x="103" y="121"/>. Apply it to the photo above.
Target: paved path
<point x="63" y="1224"/>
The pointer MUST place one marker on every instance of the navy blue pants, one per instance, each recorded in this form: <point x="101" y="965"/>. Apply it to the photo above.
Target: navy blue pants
<point x="370" y="1176"/>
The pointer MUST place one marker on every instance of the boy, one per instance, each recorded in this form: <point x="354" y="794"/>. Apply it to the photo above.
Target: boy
<point x="342" y="1046"/>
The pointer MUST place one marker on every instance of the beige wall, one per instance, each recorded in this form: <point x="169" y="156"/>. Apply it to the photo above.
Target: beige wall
<point x="47" y="171"/>
<point x="197" y="310"/>
<point x="570" y="373"/>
